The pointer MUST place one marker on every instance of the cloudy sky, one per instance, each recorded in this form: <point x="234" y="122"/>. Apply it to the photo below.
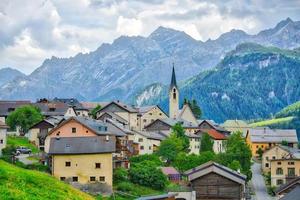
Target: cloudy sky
<point x="33" y="30"/>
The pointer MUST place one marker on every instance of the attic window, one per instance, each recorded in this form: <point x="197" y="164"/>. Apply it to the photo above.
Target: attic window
<point x="73" y="130"/>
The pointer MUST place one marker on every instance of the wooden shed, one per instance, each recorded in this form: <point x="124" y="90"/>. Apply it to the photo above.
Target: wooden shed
<point x="214" y="181"/>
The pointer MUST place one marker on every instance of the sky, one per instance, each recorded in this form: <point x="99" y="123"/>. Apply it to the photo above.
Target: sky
<point x="33" y="30"/>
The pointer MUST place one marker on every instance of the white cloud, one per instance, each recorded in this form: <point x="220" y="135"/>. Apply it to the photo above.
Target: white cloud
<point x="34" y="30"/>
<point x="129" y="26"/>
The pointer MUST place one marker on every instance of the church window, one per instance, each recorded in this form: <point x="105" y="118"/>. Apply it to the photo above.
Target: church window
<point x="174" y="95"/>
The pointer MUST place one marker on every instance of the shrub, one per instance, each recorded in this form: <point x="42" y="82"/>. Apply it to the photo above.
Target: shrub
<point x="147" y="174"/>
<point x="120" y="175"/>
<point x="149" y="157"/>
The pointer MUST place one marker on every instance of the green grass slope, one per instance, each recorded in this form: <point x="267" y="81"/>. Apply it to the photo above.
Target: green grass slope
<point x="270" y="122"/>
<point x="291" y="110"/>
<point x="21" y="184"/>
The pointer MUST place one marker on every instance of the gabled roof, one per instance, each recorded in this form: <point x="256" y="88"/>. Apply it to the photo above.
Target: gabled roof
<point x="169" y="170"/>
<point x="52" y="121"/>
<point x="293" y="194"/>
<point x="97" y="126"/>
<point x="121" y="105"/>
<point x="288" y="186"/>
<point x="272" y="135"/>
<point x="213" y="134"/>
<point x="155" y="135"/>
<point x="81" y="145"/>
<point x="144" y="109"/>
<point x="184" y="108"/>
<point x="115" y="116"/>
<point x="210" y="167"/>
<point x="7" y="106"/>
<point x="52" y="109"/>
<point x="92" y="105"/>
<point x="119" y="126"/>
<point x="212" y="124"/>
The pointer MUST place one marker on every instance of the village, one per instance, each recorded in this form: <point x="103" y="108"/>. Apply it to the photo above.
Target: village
<point x="99" y="146"/>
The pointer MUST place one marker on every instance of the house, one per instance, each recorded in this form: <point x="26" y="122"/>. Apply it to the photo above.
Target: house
<point x="148" y="142"/>
<point x="49" y="109"/>
<point x="285" y="169"/>
<point x="3" y="135"/>
<point x="210" y="124"/>
<point x="289" y="191"/>
<point x="72" y="102"/>
<point x="235" y="126"/>
<point x="172" y="174"/>
<point x="39" y="131"/>
<point x="127" y="112"/>
<point x="265" y="138"/>
<point x="218" y="138"/>
<point x="166" y="124"/>
<point x="195" y="141"/>
<point x="214" y="181"/>
<point x="275" y="152"/>
<point x="7" y="107"/>
<point x="148" y="114"/>
<point x="81" y="149"/>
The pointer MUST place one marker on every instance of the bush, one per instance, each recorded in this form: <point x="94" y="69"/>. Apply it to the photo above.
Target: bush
<point x="120" y="175"/>
<point x="147" y="174"/>
<point x="149" y="157"/>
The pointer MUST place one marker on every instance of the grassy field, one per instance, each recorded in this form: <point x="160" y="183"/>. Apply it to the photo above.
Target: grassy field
<point x="21" y="141"/>
<point x="18" y="183"/>
<point x="272" y="121"/>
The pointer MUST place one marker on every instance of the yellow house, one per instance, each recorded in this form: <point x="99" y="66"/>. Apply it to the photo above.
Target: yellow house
<point x="265" y="138"/>
<point x="275" y="152"/>
<point x="82" y="159"/>
<point x="81" y="150"/>
<point x="148" y="114"/>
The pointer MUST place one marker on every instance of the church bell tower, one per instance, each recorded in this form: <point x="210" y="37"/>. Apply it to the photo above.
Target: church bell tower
<point x="173" y="97"/>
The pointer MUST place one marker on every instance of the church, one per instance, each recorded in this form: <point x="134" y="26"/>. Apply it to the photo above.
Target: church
<point x="185" y="113"/>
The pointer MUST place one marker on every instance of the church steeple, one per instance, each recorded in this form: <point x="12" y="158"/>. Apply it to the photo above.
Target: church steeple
<point x="173" y="97"/>
<point x="173" y="79"/>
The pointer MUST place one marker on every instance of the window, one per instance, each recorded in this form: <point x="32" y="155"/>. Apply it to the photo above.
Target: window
<point x="68" y="164"/>
<point x="97" y="165"/>
<point x="102" y="178"/>
<point x="279" y="171"/>
<point x="107" y="138"/>
<point x="92" y="178"/>
<point x="256" y="146"/>
<point x="273" y="157"/>
<point x="62" y="178"/>
<point x="278" y="163"/>
<point x="174" y="95"/>
<point x="160" y="114"/>
<point x="142" y="147"/>
<point x="267" y="158"/>
<point x="51" y="109"/>
<point x="291" y="171"/>
<point x="144" y="120"/>
<point x="1" y="141"/>
<point x="267" y="165"/>
<point x="291" y="163"/>
<point x="140" y="139"/>
<point x="73" y="130"/>
<point x="279" y="181"/>
<point x="150" y="113"/>
<point x="75" y="179"/>
<point x="149" y="147"/>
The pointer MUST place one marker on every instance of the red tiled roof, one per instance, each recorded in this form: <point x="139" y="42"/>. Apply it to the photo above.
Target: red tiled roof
<point x="215" y="134"/>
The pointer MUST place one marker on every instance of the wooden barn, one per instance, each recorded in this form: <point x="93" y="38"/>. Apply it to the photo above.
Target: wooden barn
<point x="214" y="181"/>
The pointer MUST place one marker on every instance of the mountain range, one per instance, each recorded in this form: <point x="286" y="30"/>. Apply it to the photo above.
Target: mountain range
<point x="127" y="68"/>
<point x="251" y="82"/>
<point x="7" y="74"/>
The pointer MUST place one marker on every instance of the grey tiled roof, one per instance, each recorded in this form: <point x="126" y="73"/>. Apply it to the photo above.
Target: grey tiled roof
<point x="99" y="127"/>
<point x="81" y="145"/>
<point x="184" y="123"/>
<point x="272" y="135"/>
<point x="156" y="135"/>
<point x="6" y="106"/>
<point x="293" y="194"/>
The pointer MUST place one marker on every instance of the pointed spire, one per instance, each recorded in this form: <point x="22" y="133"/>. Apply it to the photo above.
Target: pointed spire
<point x="173" y="80"/>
